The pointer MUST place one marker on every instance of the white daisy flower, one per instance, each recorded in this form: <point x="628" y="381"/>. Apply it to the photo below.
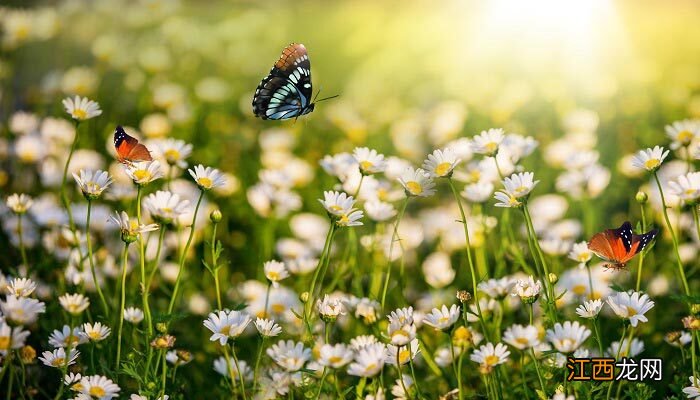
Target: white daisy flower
<point x="81" y="108"/>
<point x="178" y="357"/>
<point x="144" y="172"/>
<point x="686" y="187"/>
<point x="590" y="308"/>
<point x="166" y="207"/>
<point x="19" y="203"/>
<point x="626" y="349"/>
<point x="133" y="315"/>
<point x="683" y="132"/>
<point x="497" y="288"/>
<point x="402" y="354"/>
<point x="417" y="182"/>
<point x="489" y="356"/>
<point x="527" y="289"/>
<point x="488" y="142"/>
<point x="520" y="184"/>
<point x="174" y="151"/>
<point x="21" y="310"/>
<point x="67" y="337"/>
<point x="580" y="253"/>
<point x="650" y="159"/>
<point x="226" y="324"/>
<point x="130" y="229"/>
<point x="521" y="337"/>
<point x="289" y="355"/>
<point x="11" y="338"/>
<point x="99" y="387"/>
<point x="379" y="211"/>
<point x="369" y="161"/>
<point x="443" y="318"/>
<point x="568" y="337"/>
<point x="401" y="316"/>
<point x="337" y="203"/>
<point x="506" y="200"/>
<point x="630" y="306"/>
<point x="227" y="368"/>
<point x="330" y="307"/>
<point x="74" y="303"/>
<point x="441" y="163"/>
<point x="58" y="359"/>
<point x="335" y="356"/>
<point x="478" y="192"/>
<point x="359" y="342"/>
<point x="275" y="271"/>
<point x="401" y="333"/>
<point x="96" y="332"/>
<point x="92" y="184"/>
<point x="692" y="391"/>
<point x="21" y="287"/>
<point x="351" y="218"/>
<point x="267" y="327"/>
<point x="402" y="389"/>
<point x="369" y="361"/>
<point x="207" y="178"/>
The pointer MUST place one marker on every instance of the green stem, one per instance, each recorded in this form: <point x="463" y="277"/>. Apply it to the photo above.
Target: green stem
<point x="469" y="257"/>
<point x="597" y="336"/>
<point x="537" y="369"/>
<point x="673" y="236"/>
<point x="184" y="255"/>
<point x="257" y="363"/>
<point x="215" y="268"/>
<point x="151" y="275"/>
<point x="394" y="237"/>
<point x="549" y="288"/>
<point x="641" y="256"/>
<point x="92" y="263"/>
<point x="317" y="272"/>
<point x="240" y="375"/>
<point x="22" y="250"/>
<point x="121" y="305"/>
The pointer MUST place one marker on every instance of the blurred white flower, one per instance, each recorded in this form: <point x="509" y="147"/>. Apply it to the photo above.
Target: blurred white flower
<point x="650" y="159"/>
<point x="489" y="356"/>
<point x="58" y="358"/>
<point x="144" y="172"/>
<point x="568" y="337"/>
<point x="207" y="178"/>
<point x="521" y="337"/>
<point x="92" y="184"/>
<point x="369" y="161"/>
<point x="441" y="163"/>
<point x="81" y="108"/>
<point x="487" y="142"/>
<point x="590" y="308"/>
<point x="289" y="355"/>
<point x="442" y="318"/>
<point x="369" y="361"/>
<point x="226" y="324"/>
<point x="631" y="306"/>
<point x="417" y="182"/>
<point x="19" y="203"/>
<point x="275" y="271"/>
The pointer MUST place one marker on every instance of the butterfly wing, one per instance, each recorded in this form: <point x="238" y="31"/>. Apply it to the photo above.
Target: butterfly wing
<point x="640" y="242"/>
<point x="601" y="244"/>
<point x="619" y="245"/>
<point x="286" y="91"/>
<point x="128" y="147"/>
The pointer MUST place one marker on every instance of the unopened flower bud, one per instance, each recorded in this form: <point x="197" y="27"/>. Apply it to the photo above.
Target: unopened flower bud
<point x="641" y="197"/>
<point x="161" y="327"/>
<point x="304" y="297"/>
<point x="27" y="354"/>
<point x="215" y="216"/>
<point x="695" y="309"/>
<point x="691" y="323"/>
<point x="553" y="278"/>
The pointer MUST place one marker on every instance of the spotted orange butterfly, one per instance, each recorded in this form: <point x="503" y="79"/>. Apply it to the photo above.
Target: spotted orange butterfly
<point x="618" y="246"/>
<point x="128" y="148"/>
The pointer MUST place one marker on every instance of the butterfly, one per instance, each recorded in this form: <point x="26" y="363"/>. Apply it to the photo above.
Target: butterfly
<point x="286" y="91"/>
<point x="128" y="148"/>
<point x="618" y="246"/>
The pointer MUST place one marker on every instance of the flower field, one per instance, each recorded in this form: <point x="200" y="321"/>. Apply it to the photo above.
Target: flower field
<point x="490" y="200"/>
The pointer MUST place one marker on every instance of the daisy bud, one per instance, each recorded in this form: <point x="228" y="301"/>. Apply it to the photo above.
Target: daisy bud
<point x="641" y="197"/>
<point x="462" y="337"/>
<point x="163" y="342"/>
<point x="672" y="337"/>
<point x="161" y="327"/>
<point x="695" y="309"/>
<point x="553" y="278"/>
<point x="304" y="297"/>
<point x="215" y="216"/>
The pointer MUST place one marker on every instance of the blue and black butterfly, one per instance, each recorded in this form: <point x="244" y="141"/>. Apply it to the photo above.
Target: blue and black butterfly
<point x="286" y="91"/>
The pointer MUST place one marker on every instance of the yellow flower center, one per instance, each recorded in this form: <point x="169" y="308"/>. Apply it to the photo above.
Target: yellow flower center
<point x="366" y="165"/>
<point x="77" y="387"/>
<point x="142" y="175"/>
<point x="491" y="146"/>
<point x="225" y="330"/>
<point x="404" y="355"/>
<point x="685" y="137"/>
<point x="79" y="113"/>
<point x="204" y="182"/>
<point x="579" y="289"/>
<point x="522" y="340"/>
<point x="443" y="320"/>
<point x="172" y="155"/>
<point x="335" y="359"/>
<point x="277" y="308"/>
<point x="652" y="163"/>
<point x="97" y="391"/>
<point x="94" y="335"/>
<point x="58" y="361"/>
<point x="631" y="312"/>
<point x="491" y="360"/>
<point x="273" y="276"/>
<point x="370" y="367"/>
<point x="414" y="187"/>
<point x="399" y="332"/>
<point x="443" y="169"/>
<point x="4" y="342"/>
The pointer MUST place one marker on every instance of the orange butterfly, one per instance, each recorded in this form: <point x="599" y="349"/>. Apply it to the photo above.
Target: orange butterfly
<point x="128" y="148"/>
<point x="618" y="246"/>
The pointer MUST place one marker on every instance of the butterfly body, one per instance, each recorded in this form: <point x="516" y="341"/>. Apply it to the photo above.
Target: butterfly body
<point x="286" y="91"/>
<point x="618" y="246"/>
<point x="128" y="148"/>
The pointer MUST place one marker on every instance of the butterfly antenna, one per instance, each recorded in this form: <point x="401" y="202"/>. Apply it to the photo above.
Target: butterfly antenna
<point x="317" y="93"/>
<point x="328" y="98"/>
